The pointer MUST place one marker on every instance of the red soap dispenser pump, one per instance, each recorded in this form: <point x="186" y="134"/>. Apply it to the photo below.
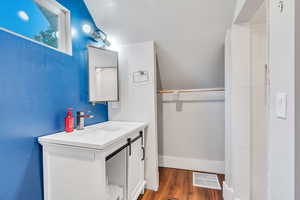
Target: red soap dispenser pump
<point x="69" y="121"/>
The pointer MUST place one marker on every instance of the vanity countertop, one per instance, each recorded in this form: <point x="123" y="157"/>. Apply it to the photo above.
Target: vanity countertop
<point x="98" y="136"/>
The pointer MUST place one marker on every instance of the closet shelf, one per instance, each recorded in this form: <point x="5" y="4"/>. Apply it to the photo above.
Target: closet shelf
<point x="191" y="90"/>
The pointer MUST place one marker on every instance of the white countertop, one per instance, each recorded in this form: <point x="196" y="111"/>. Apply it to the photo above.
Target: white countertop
<point x="98" y="136"/>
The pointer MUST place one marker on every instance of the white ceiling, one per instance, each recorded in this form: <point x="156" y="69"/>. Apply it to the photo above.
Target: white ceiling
<point x="189" y="34"/>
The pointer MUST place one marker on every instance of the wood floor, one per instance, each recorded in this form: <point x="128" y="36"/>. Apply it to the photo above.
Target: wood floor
<point x="177" y="184"/>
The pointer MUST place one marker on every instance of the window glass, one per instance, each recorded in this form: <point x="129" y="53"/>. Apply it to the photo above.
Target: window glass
<point x="50" y="33"/>
<point x="35" y="19"/>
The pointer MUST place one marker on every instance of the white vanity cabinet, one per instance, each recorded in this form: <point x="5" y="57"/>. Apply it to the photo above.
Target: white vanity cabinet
<point x="102" y="162"/>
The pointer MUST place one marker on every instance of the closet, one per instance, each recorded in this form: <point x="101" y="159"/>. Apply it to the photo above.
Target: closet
<point x="191" y="129"/>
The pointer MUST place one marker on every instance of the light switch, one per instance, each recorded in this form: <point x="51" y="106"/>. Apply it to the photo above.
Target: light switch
<point x="281" y="105"/>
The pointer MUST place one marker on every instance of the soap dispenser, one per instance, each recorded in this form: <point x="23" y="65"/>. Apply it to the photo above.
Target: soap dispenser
<point x="69" y="121"/>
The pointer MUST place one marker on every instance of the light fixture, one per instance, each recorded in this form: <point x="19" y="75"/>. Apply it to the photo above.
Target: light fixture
<point x="23" y="16"/>
<point x="87" y="29"/>
<point x="97" y="35"/>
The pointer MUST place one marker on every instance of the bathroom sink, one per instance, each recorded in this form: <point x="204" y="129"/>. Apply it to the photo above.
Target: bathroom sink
<point x="112" y="128"/>
<point x="89" y="158"/>
<point x="97" y="136"/>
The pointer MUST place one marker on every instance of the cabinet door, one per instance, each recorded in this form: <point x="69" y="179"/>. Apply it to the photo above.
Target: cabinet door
<point x="136" y="180"/>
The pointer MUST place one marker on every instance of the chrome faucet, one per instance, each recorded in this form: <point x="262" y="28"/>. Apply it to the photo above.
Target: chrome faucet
<point x="80" y="119"/>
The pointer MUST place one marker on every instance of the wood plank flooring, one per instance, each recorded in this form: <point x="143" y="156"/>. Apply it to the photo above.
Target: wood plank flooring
<point x="176" y="184"/>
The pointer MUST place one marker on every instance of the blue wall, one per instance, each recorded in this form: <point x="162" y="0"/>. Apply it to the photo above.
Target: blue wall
<point x="37" y="85"/>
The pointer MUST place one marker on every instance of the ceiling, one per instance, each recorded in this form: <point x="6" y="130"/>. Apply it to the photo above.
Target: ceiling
<point x="189" y="35"/>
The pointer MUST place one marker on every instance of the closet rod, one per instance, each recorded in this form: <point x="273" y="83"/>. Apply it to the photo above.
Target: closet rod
<point x="191" y="90"/>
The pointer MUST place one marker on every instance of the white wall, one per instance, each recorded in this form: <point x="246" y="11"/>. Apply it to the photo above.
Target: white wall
<point x="238" y="113"/>
<point x="191" y="131"/>
<point x="189" y="35"/>
<point x="259" y="112"/>
<point x="282" y="132"/>
<point x="297" y="186"/>
<point x="247" y="109"/>
<point x="138" y="101"/>
<point x="246" y="112"/>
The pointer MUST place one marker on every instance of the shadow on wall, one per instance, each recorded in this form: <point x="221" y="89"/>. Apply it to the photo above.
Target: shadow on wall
<point x="159" y="108"/>
<point x="32" y="174"/>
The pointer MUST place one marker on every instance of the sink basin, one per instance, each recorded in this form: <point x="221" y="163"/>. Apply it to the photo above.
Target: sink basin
<point x="111" y="128"/>
<point x="97" y="136"/>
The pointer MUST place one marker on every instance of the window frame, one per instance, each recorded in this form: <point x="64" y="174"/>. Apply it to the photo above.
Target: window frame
<point x="64" y="24"/>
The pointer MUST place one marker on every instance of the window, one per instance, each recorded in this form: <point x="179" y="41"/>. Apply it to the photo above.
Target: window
<point x="57" y="34"/>
<point x="44" y="21"/>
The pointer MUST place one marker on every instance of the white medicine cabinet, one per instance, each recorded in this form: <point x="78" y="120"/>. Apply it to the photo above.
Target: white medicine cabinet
<point x="103" y="75"/>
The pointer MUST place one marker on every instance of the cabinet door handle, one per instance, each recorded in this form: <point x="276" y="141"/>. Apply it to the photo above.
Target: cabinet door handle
<point x="143" y="148"/>
<point x="142" y="137"/>
<point x="129" y="144"/>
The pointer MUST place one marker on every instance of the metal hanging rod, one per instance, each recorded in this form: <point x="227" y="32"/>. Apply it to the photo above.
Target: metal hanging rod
<point x="191" y="90"/>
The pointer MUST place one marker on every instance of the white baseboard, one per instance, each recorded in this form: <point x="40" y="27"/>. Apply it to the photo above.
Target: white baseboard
<point x="228" y="193"/>
<point x="139" y="190"/>
<point x="192" y="164"/>
<point x="152" y="187"/>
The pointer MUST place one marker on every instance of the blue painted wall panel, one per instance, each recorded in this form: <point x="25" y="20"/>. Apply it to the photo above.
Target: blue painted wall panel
<point x="37" y="84"/>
